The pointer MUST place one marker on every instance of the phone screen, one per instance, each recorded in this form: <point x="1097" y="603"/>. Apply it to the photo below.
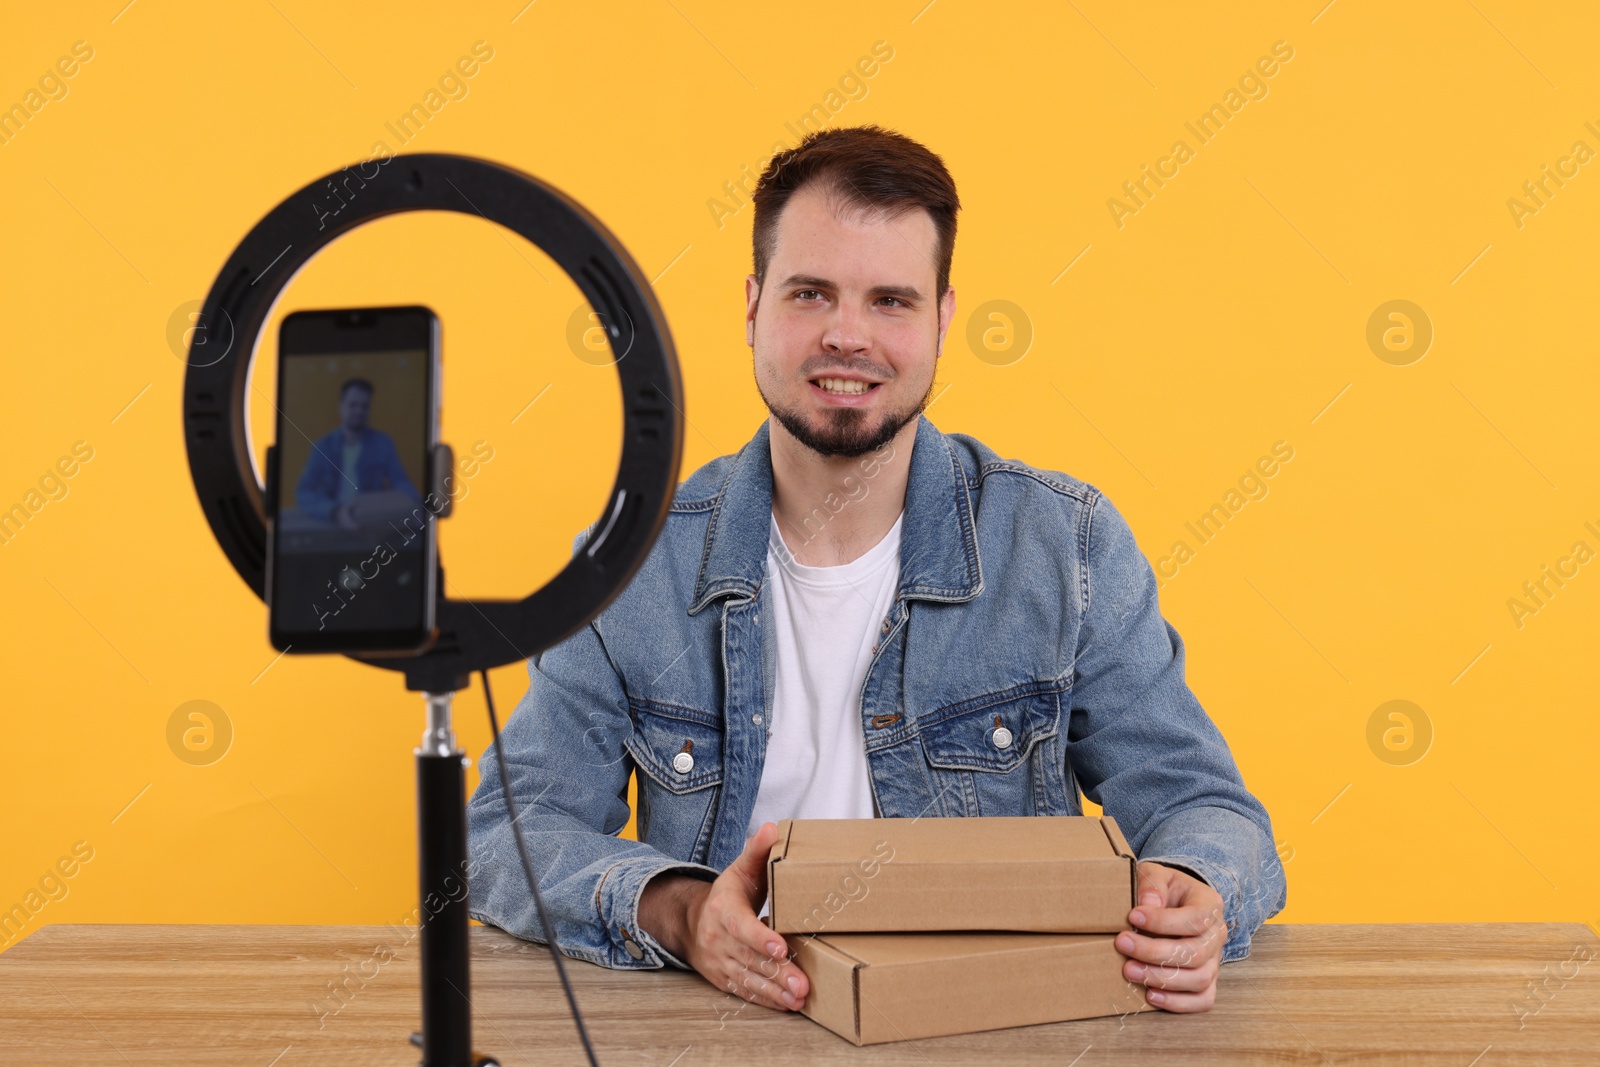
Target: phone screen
<point x="354" y="553"/>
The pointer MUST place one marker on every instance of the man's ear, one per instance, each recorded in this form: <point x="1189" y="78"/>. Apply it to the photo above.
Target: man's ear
<point x="752" y="300"/>
<point x="947" y="314"/>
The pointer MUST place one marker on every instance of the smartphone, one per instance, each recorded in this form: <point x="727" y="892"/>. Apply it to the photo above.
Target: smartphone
<point x="352" y="547"/>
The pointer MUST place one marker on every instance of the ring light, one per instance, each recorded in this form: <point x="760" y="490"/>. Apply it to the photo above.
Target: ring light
<point x="473" y="634"/>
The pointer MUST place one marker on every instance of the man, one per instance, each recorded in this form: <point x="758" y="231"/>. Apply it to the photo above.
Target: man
<point x="857" y="615"/>
<point x="349" y="459"/>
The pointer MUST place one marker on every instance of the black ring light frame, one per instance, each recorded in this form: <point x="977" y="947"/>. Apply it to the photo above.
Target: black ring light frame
<point x="473" y="634"/>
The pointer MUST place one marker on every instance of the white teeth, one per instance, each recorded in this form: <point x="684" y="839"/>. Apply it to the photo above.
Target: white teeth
<point x="843" y="385"/>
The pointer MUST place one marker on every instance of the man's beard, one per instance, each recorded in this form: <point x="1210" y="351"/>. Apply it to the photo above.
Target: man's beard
<point x="846" y="431"/>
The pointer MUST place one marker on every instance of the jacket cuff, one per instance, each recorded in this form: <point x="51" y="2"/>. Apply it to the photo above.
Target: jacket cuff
<point x="628" y="945"/>
<point x="1186" y="864"/>
<point x="1237" y="947"/>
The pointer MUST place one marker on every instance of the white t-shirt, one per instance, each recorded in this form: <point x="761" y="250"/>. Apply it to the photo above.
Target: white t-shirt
<point x="347" y="483"/>
<point x="827" y="620"/>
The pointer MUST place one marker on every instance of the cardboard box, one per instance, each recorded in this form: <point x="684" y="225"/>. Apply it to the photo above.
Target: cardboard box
<point x="871" y="988"/>
<point x="1058" y="874"/>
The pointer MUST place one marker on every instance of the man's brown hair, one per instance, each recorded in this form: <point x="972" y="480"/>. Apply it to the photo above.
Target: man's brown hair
<point x="866" y="168"/>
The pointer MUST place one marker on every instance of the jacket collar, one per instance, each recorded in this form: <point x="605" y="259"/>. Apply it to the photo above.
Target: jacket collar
<point x="938" y="548"/>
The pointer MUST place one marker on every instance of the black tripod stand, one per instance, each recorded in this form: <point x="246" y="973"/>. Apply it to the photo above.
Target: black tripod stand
<point x="446" y="1036"/>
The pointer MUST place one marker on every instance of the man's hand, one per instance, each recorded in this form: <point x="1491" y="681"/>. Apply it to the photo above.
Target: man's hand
<point x="345" y="515"/>
<point x="1179" y="964"/>
<point x="714" y="928"/>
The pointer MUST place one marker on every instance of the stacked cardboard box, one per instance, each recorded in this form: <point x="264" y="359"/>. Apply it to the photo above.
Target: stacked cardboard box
<point x="911" y="928"/>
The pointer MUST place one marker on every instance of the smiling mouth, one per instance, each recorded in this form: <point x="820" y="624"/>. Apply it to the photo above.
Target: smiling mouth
<point x="844" y="386"/>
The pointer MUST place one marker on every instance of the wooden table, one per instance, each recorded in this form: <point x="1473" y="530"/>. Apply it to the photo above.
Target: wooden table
<point x="169" y="996"/>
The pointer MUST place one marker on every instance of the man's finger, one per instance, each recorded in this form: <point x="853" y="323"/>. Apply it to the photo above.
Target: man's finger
<point x="782" y="973"/>
<point x="751" y="865"/>
<point x="753" y="934"/>
<point x="732" y="985"/>
<point x="758" y="990"/>
<point x="1182" y="1002"/>
<point x="1188" y="921"/>
<point x="755" y="962"/>
<point x="1158" y="880"/>
<point x="1181" y="979"/>
<point x="754" y="983"/>
<point x="1167" y="951"/>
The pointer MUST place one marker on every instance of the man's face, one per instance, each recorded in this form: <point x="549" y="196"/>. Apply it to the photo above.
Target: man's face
<point x="847" y="298"/>
<point x="353" y="407"/>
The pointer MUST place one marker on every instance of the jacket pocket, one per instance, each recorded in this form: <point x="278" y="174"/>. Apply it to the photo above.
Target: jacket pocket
<point x="996" y="732"/>
<point x="998" y="754"/>
<point x="679" y="748"/>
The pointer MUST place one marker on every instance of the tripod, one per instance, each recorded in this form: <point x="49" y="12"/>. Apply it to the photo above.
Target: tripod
<point x="446" y="1036"/>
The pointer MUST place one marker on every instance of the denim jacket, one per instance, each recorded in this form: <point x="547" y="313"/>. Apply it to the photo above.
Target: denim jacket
<point x="1023" y="600"/>
<point x="378" y="467"/>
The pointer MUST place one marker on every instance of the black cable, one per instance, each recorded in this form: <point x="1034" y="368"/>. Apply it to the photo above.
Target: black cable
<point x="527" y="868"/>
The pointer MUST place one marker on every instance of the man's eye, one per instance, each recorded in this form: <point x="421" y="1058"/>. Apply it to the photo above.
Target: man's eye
<point x="803" y="292"/>
<point x="896" y="299"/>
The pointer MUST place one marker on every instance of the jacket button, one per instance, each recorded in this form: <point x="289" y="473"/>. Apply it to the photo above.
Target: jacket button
<point x="1002" y="737"/>
<point x="633" y="948"/>
<point x="683" y="762"/>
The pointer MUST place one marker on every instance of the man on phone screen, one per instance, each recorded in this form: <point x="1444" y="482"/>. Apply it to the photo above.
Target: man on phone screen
<point x="352" y="458"/>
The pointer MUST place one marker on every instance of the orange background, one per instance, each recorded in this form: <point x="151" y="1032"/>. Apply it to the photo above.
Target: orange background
<point x="1168" y="350"/>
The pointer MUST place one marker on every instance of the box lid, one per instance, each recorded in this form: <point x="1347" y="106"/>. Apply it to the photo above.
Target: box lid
<point x="1024" y="839"/>
<point x="1033" y="873"/>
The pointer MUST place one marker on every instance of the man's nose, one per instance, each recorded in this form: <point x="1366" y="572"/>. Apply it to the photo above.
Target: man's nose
<point x="846" y="330"/>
